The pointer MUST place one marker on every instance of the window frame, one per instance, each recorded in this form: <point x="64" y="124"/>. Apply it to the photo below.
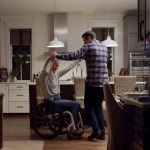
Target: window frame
<point x="19" y="24"/>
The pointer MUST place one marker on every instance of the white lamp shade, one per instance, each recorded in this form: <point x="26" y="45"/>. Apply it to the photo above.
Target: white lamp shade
<point x="109" y="42"/>
<point x="55" y="43"/>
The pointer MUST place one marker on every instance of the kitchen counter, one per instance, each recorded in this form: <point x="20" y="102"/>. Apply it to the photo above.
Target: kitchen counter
<point x="62" y="82"/>
<point x="18" y="82"/>
<point x="137" y="124"/>
<point x="135" y="102"/>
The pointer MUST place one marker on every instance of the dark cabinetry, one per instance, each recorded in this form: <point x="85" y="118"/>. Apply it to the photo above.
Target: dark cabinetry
<point x="144" y="26"/>
<point x="131" y="32"/>
<point x="1" y="120"/>
<point x="137" y="128"/>
<point x="143" y="20"/>
<point x="67" y="91"/>
<point x="130" y="36"/>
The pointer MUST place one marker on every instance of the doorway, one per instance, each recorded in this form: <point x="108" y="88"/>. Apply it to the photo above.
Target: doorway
<point x="101" y="35"/>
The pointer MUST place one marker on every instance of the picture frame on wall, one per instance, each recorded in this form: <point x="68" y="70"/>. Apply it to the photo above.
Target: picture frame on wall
<point x="3" y="74"/>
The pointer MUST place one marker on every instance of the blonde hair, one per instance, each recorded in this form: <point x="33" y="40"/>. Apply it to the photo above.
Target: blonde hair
<point x="53" y="63"/>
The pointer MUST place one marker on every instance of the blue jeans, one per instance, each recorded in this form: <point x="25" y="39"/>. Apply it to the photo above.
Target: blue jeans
<point x="68" y="105"/>
<point x="93" y="106"/>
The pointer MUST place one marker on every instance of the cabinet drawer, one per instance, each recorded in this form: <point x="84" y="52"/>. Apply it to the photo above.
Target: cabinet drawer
<point x="138" y="116"/>
<point x="18" y="87"/>
<point x="138" y="134"/>
<point x="18" y="107"/>
<point x="18" y="96"/>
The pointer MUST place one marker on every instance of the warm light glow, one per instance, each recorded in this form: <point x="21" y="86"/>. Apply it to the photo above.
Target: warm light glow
<point x="109" y="42"/>
<point x="55" y="43"/>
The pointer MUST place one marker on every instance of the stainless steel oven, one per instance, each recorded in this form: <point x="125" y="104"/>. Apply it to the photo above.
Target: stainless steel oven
<point x="139" y="62"/>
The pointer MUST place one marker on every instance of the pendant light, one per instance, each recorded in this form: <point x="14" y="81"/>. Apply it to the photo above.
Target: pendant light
<point x="109" y="42"/>
<point x="55" y="43"/>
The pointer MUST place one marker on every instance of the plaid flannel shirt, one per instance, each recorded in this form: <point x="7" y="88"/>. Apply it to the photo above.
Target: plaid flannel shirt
<point x="95" y="55"/>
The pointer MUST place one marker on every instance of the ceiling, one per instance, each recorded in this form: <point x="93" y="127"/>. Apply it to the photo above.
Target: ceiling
<point x="24" y="7"/>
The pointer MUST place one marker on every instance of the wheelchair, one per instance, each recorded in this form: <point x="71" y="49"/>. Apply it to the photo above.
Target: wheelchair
<point x="50" y="120"/>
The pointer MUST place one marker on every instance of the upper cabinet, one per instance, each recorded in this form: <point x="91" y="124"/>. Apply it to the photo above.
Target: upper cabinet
<point x="143" y="21"/>
<point x="130" y="37"/>
<point x="130" y="32"/>
<point x="147" y="15"/>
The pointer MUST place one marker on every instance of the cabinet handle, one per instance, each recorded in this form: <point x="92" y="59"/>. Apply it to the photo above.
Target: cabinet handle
<point x="19" y="94"/>
<point x="19" y="106"/>
<point x="141" y="33"/>
<point x="19" y="87"/>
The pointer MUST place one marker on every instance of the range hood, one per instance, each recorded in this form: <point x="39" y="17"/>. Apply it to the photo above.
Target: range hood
<point x="61" y="29"/>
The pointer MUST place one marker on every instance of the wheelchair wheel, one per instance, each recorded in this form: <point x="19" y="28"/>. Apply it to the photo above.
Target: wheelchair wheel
<point x="48" y="120"/>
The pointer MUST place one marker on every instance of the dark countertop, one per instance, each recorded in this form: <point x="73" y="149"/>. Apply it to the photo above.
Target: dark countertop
<point x="135" y="102"/>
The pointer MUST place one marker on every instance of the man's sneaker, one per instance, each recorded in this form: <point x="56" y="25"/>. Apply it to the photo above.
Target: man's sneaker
<point x="102" y="136"/>
<point x="71" y="136"/>
<point x="94" y="135"/>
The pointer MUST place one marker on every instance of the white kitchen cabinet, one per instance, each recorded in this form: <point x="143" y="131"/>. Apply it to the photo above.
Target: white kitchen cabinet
<point x="4" y="90"/>
<point x="18" y="101"/>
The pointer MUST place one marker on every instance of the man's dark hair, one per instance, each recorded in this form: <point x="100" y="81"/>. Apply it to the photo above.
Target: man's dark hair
<point x="90" y="34"/>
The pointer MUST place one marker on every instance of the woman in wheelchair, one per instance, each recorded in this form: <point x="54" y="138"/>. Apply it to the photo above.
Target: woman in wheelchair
<point x="60" y="113"/>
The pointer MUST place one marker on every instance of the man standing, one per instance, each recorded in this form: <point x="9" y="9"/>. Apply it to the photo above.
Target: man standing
<point x="95" y="56"/>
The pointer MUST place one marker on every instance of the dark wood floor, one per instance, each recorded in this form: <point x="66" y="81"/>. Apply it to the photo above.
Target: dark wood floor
<point x="17" y="127"/>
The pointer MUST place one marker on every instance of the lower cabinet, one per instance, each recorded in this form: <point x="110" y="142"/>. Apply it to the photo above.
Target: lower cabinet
<point x="18" y="107"/>
<point x="1" y="121"/>
<point x="67" y="91"/>
<point x="16" y="97"/>
<point x="4" y="90"/>
<point x="137" y="128"/>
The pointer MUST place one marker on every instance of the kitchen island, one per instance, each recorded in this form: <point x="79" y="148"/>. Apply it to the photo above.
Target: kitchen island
<point x="137" y="123"/>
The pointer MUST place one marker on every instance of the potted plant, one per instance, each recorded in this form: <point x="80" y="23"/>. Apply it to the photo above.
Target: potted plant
<point x="13" y="75"/>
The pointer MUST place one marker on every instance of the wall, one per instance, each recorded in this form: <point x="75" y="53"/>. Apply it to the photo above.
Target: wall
<point x="41" y="35"/>
<point x="43" y="32"/>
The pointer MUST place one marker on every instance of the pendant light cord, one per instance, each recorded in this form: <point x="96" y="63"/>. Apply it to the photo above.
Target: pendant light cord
<point x="54" y="14"/>
<point x="108" y="14"/>
<point x="55" y="6"/>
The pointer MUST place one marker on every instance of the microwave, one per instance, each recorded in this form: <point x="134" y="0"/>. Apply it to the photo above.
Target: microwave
<point x="139" y="61"/>
<point x="140" y="64"/>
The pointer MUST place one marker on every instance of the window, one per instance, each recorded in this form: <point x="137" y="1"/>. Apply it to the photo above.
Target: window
<point x="20" y="41"/>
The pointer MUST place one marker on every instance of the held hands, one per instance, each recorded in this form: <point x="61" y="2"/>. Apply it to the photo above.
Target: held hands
<point x="53" y="55"/>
